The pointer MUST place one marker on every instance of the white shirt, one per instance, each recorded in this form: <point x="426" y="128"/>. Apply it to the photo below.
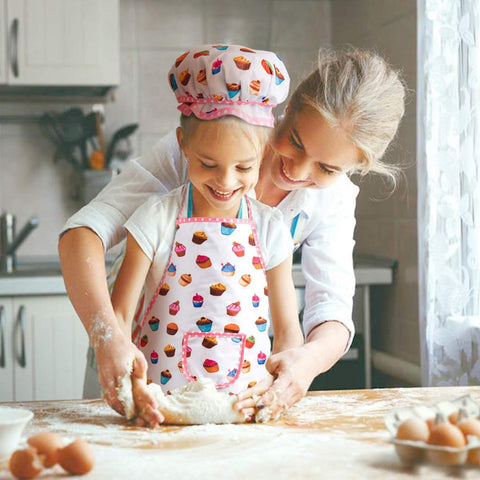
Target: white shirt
<point x="153" y="227"/>
<point x="324" y="229"/>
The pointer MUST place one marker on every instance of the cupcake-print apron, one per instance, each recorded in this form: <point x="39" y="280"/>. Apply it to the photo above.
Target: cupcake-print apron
<point x="209" y="315"/>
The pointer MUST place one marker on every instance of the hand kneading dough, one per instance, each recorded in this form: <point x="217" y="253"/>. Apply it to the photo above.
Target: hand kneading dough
<point x="197" y="403"/>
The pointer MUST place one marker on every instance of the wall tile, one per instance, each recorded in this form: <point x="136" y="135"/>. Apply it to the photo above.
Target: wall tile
<point x="300" y="63"/>
<point x="125" y="108"/>
<point x="350" y="21"/>
<point x="376" y="237"/>
<point x="375" y="198"/>
<point x="166" y="24"/>
<point x="381" y="12"/>
<point x="157" y="103"/>
<point x="244" y="22"/>
<point x="34" y="186"/>
<point x="128" y="31"/>
<point x="303" y="24"/>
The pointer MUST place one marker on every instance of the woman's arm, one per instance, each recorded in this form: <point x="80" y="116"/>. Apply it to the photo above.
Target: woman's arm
<point x="126" y="292"/>
<point x="83" y="268"/>
<point x="283" y="307"/>
<point x="94" y="229"/>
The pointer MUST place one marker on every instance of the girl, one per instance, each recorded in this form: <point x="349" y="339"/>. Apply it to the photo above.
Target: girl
<point x="213" y="259"/>
<point x="340" y="119"/>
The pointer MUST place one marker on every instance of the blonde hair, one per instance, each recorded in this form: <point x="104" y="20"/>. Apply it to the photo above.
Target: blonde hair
<point x="257" y="134"/>
<point x="360" y="92"/>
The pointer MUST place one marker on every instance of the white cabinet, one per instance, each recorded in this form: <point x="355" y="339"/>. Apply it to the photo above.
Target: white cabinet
<point x="3" y="49"/>
<point x="60" y="42"/>
<point x="42" y="349"/>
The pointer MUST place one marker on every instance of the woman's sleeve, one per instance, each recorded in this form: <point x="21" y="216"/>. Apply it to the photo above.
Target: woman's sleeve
<point x="327" y="265"/>
<point x="278" y="241"/>
<point x="162" y="170"/>
<point x="145" y="224"/>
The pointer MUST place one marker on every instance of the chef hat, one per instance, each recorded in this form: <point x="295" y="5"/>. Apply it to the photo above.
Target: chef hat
<point x="212" y="81"/>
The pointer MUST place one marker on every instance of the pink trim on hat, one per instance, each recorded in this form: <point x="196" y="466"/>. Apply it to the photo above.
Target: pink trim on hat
<point x="189" y="99"/>
<point x="187" y="110"/>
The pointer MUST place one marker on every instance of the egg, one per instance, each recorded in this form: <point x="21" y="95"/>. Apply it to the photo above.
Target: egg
<point x="47" y="444"/>
<point x="77" y="457"/>
<point x="444" y="434"/>
<point x="415" y="429"/>
<point x="447" y="435"/>
<point x="25" y="463"/>
<point x="471" y="426"/>
<point x="453" y="418"/>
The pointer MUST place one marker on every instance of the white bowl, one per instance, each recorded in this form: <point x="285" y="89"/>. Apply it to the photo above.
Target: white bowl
<point x="12" y="423"/>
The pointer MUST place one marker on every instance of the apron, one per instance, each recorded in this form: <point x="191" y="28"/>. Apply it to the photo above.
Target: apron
<point x="209" y="316"/>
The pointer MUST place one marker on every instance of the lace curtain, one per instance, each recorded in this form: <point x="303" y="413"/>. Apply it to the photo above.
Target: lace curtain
<point x="448" y="97"/>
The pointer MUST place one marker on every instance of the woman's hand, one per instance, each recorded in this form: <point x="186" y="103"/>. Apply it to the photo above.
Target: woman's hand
<point x="116" y="357"/>
<point x="290" y="377"/>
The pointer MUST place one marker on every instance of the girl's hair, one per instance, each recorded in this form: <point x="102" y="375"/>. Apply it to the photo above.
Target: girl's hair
<point x="258" y="135"/>
<point x="360" y="92"/>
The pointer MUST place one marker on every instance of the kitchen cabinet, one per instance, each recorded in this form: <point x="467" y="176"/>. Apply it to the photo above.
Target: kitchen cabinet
<point x="3" y="50"/>
<point x="42" y="349"/>
<point x="59" y="42"/>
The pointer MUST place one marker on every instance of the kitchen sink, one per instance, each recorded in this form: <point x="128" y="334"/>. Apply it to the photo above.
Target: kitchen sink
<point x="35" y="267"/>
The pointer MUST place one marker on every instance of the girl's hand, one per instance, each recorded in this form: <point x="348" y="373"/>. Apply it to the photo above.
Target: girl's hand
<point x="147" y="411"/>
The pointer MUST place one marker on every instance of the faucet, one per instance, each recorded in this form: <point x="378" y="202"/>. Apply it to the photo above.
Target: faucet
<point x="10" y="241"/>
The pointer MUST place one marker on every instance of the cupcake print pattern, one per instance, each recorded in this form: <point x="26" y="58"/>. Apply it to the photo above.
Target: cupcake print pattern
<point x="210" y="82"/>
<point x="212" y="321"/>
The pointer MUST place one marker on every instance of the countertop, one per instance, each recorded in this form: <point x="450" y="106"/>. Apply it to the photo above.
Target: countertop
<point x="42" y="275"/>
<point x="329" y="435"/>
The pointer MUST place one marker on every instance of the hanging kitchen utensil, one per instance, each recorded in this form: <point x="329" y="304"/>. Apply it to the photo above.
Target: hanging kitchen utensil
<point x="97" y="158"/>
<point x="121" y="134"/>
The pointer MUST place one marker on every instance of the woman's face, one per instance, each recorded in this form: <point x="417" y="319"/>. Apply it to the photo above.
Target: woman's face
<point x="307" y="152"/>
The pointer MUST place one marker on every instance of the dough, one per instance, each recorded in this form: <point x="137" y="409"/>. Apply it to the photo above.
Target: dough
<point x="196" y="403"/>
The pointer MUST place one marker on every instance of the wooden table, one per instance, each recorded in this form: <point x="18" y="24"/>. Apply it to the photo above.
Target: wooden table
<point x="328" y="435"/>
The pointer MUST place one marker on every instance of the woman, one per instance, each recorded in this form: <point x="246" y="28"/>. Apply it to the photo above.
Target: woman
<point x="340" y="120"/>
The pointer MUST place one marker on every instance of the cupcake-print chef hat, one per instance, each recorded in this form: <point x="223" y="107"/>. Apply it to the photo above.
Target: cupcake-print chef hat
<point x="212" y="81"/>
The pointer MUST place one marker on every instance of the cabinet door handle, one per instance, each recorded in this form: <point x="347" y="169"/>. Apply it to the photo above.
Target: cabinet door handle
<point x="13" y="50"/>
<point x="22" y="359"/>
<point x="2" y="336"/>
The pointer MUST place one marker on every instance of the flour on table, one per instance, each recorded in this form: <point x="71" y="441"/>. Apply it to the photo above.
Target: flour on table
<point x="197" y="403"/>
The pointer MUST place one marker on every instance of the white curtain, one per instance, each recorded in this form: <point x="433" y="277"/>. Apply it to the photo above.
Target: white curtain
<point x="448" y="155"/>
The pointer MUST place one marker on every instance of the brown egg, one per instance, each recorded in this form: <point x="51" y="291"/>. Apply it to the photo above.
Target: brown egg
<point x="415" y="429"/>
<point x="25" y="463"/>
<point x="447" y="435"/>
<point x="77" y="457"/>
<point x="453" y="418"/>
<point x="47" y="444"/>
<point x="471" y="426"/>
<point x="430" y="423"/>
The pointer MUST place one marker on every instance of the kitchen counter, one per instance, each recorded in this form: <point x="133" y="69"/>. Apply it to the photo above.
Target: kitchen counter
<point x="331" y="435"/>
<point x="42" y="276"/>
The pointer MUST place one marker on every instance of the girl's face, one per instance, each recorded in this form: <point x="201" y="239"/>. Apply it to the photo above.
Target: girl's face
<point x="223" y="165"/>
<point x="307" y="152"/>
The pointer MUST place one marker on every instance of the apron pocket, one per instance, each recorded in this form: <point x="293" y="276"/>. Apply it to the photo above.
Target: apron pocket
<point x="214" y="355"/>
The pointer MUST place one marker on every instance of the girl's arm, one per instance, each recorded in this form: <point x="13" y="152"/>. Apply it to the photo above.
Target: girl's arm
<point x="129" y="283"/>
<point x="283" y="307"/>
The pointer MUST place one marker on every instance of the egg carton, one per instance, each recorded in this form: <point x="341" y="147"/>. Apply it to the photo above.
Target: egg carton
<point x="411" y="452"/>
